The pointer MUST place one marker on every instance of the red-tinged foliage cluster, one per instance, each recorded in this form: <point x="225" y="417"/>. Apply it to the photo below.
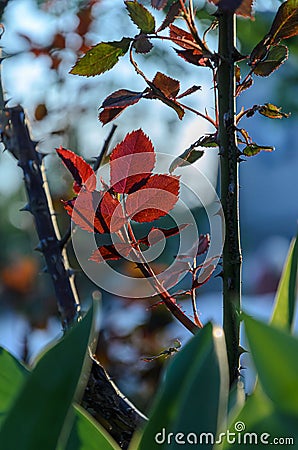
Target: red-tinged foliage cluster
<point x="134" y="193"/>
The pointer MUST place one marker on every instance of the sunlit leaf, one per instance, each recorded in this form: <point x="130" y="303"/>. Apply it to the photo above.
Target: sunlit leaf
<point x="81" y="171"/>
<point x="167" y="85"/>
<point x="285" y="300"/>
<point x="96" y="212"/>
<point x="131" y="162"/>
<point x="101" y="57"/>
<point x="155" y="199"/>
<point x="253" y="149"/>
<point x="285" y="24"/>
<point x="275" y="58"/>
<point x="272" y="111"/>
<point x="141" y="16"/>
<point x="274" y="352"/>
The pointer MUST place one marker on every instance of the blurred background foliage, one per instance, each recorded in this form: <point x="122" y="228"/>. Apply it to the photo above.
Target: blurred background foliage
<point x="42" y="40"/>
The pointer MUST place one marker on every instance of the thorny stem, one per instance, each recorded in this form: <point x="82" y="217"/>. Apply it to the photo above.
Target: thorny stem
<point x="229" y="154"/>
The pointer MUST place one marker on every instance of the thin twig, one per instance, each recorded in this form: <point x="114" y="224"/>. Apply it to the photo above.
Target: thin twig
<point x="160" y="95"/>
<point x="104" y="149"/>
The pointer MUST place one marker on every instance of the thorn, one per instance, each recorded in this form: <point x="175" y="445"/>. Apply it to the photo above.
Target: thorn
<point x="43" y="154"/>
<point x="72" y="272"/>
<point x="6" y="101"/>
<point x="26" y="208"/>
<point x="39" y="247"/>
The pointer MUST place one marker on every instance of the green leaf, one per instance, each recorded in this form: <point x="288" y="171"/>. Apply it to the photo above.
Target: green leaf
<point x="285" y="24"/>
<point x="275" y="58"/>
<point x="274" y="354"/>
<point x="37" y="417"/>
<point x="262" y="421"/>
<point x="87" y="434"/>
<point x="193" y="397"/>
<point x="253" y="149"/>
<point x="100" y="58"/>
<point x="189" y="156"/>
<point x="284" y="306"/>
<point x="141" y="16"/>
<point x="12" y="377"/>
<point x="272" y="111"/>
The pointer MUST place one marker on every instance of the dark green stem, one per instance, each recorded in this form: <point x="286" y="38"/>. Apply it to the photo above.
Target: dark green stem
<point x="229" y="155"/>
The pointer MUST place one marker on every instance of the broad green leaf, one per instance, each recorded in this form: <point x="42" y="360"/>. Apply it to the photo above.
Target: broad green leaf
<point x="261" y="422"/>
<point x="100" y="58"/>
<point x="193" y="397"/>
<point x="253" y="149"/>
<point x="274" y="354"/>
<point x="141" y="16"/>
<point x="272" y="111"/>
<point x="86" y="434"/>
<point x="37" y="416"/>
<point x="284" y="306"/>
<point x="189" y="156"/>
<point x="12" y="377"/>
<point x="285" y="23"/>
<point x="275" y="58"/>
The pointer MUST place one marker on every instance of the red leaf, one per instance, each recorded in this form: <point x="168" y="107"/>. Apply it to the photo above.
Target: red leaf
<point x="194" y="57"/>
<point x="204" y="243"/>
<point x="179" y="36"/>
<point x="82" y="211"/>
<point x="189" y="91"/>
<point x="131" y="162"/>
<point x="82" y="172"/>
<point x="154" y="200"/>
<point x="173" y="12"/>
<point x="107" y="115"/>
<point x="121" y="99"/>
<point x="167" y="85"/>
<point x="157" y="234"/>
<point x="93" y="212"/>
<point x="109" y="252"/>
